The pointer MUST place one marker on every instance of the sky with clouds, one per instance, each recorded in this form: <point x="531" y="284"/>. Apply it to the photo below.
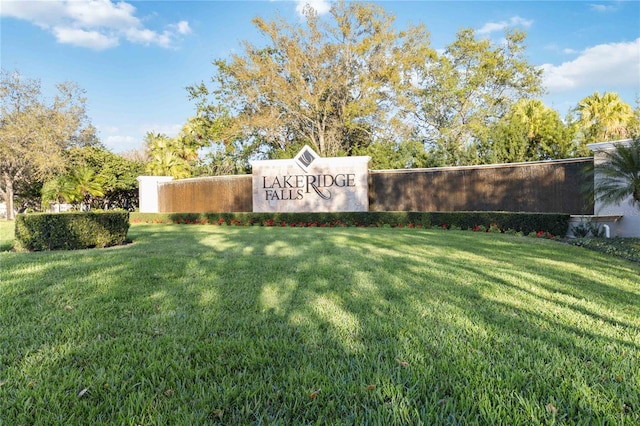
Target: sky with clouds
<point x="135" y="58"/>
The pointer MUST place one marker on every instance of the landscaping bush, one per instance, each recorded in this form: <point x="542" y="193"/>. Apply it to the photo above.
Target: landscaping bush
<point x="526" y="223"/>
<point x="367" y="219"/>
<point x="70" y="231"/>
<point x="626" y="248"/>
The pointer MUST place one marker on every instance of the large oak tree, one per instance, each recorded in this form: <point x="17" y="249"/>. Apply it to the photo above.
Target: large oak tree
<point x="461" y="92"/>
<point x="35" y="132"/>
<point x="334" y="84"/>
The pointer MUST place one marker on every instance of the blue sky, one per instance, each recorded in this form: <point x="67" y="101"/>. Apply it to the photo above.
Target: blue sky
<point x="135" y="58"/>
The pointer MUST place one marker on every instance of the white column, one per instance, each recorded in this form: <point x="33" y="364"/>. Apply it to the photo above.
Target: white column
<point x="148" y="192"/>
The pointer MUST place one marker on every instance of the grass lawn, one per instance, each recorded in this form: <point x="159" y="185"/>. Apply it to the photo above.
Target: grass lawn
<point x="206" y="324"/>
<point x="6" y="234"/>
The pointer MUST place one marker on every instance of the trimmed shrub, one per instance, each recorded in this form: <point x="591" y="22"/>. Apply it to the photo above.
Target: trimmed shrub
<point x="556" y="224"/>
<point x="626" y="248"/>
<point x="71" y="231"/>
<point x="367" y="219"/>
<point x="553" y="223"/>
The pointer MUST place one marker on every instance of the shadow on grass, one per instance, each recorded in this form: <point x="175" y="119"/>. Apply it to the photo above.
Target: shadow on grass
<point x="243" y="325"/>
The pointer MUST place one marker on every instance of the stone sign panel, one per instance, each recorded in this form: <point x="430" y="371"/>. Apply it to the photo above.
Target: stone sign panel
<point x="310" y="183"/>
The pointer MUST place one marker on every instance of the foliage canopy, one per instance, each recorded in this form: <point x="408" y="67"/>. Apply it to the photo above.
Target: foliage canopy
<point x="352" y="83"/>
<point x="34" y="133"/>
<point x="333" y="84"/>
<point x="469" y="87"/>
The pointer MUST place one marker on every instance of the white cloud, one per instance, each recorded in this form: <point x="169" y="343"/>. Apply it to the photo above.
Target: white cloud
<point x="182" y="27"/>
<point x="127" y="137"/>
<point x="82" y="38"/>
<point x="148" y="37"/>
<point x="120" y="140"/>
<point x="95" y="24"/>
<point x="101" y="13"/>
<point x="40" y="13"/>
<point x="614" y="64"/>
<point x="516" y="21"/>
<point x="320" y="6"/>
<point x="603" y="7"/>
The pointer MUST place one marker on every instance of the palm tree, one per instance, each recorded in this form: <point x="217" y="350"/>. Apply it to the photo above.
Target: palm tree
<point x="604" y="118"/>
<point x="548" y="137"/>
<point x="168" y="163"/>
<point x="619" y="176"/>
<point x="83" y="183"/>
<point x="168" y="157"/>
<point x="54" y="191"/>
<point x="530" y="113"/>
<point x="73" y="188"/>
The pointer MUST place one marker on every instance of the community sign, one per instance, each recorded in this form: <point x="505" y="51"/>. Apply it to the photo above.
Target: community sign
<point x="310" y="183"/>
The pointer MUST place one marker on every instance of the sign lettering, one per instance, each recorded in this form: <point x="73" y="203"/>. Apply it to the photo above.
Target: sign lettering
<point x="311" y="183"/>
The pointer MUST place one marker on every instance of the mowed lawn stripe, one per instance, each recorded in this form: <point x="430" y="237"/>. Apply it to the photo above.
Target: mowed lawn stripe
<point x="234" y="325"/>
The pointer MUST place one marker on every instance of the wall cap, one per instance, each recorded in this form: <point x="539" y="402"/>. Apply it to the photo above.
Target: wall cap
<point x="485" y="166"/>
<point x="605" y="146"/>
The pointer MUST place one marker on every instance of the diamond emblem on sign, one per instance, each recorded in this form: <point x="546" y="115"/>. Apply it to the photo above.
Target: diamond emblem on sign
<point x="305" y="158"/>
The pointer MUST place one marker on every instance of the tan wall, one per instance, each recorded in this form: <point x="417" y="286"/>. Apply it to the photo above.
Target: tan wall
<point x="547" y="186"/>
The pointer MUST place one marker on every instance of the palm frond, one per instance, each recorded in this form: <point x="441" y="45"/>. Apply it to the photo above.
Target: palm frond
<point x="619" y="176"/>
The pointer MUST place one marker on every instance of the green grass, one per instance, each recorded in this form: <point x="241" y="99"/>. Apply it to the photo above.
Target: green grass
<point x="6" y="235"/>
<point x="206" y="324"/>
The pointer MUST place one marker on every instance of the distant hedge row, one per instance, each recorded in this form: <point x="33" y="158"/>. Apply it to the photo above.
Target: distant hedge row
<point x="70" y="231"/>
<point x="556" y="224"/>
<point x="553" y="223"/>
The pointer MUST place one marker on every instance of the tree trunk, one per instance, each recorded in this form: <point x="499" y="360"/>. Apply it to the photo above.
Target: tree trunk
<point x="8" y="197"/>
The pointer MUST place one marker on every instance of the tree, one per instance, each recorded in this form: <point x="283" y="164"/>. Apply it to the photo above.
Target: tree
<point x="330" y="84"/>
<point x="604" y="118"/>
<point x="221" y="152"/>
<point x="460" y="93"/>
<point x="34" y="134"/>
<point x="77" y="187"/>
<point x="138" y="155"/>
<point x="55" y="191"/>
<point x="392" y="155"/>
<point x="117" y="174"/>
<point x="634" y="122"/>
<point x="619" y="176"/>
<point x="530" y="131"/>
<point x="82" y="184"/>
<point x="168" y="156"/>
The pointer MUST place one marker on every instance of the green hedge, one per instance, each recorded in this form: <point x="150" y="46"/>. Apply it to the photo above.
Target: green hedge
<point x="553" y="223"/>
<point x="290" y="219"/>
<point x="556" y="224"/>
<point x="70" y="231"/>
